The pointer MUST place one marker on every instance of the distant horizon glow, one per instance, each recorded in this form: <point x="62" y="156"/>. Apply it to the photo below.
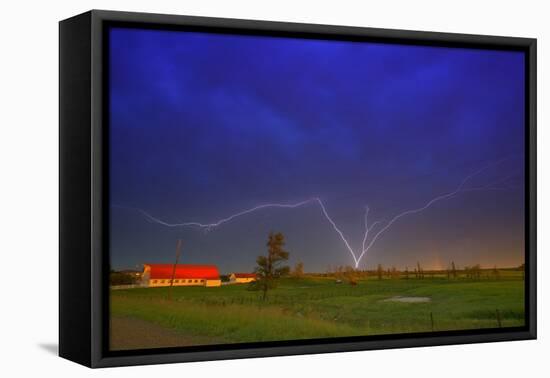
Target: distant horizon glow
<point x="204" y="124"/>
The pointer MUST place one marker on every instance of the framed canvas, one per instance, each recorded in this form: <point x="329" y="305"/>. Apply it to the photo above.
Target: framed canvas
<point x="234" y="188"/>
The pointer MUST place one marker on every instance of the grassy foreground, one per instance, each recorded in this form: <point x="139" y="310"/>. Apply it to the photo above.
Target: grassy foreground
<point x="316" y="307"/>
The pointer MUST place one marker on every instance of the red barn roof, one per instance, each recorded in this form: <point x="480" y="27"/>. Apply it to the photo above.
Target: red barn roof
<point x="245" y="275"/>
<point x="165" y="271"/>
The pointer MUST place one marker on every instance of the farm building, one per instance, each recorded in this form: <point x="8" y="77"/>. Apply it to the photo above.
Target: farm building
<point x="242" y="277"/>
<point x="157" y="275"/>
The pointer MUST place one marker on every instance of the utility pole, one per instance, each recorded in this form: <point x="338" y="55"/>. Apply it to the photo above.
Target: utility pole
<point x="179" y="244"/>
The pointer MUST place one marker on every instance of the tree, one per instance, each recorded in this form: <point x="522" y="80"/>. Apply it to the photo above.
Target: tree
<point x="521" y="268"/>
<point x="339" y="272"/>
<point x="122" y="278"/>
<point x="350" y="275"/>
<point x="406" y="272"/>
<point x="298" y="269"/>
<point x="453" y="269"/>
<point x="496" y="273"/>
<point x="379" y="271"/>
<point x="270" y="267"/>
<point x="420" y="270"/>
<point x="473" y="272"/>
<point x="476" y="271"/>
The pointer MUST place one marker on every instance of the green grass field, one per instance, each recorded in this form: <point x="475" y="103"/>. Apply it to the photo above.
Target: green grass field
<point x="316" y="307"/>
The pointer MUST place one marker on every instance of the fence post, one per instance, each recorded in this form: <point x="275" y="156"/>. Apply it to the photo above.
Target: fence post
<point x="432" y="320"/>
<point x="499" y="321"/>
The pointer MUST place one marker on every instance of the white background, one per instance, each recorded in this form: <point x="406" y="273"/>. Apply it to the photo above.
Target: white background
<point x="29" y="186"/>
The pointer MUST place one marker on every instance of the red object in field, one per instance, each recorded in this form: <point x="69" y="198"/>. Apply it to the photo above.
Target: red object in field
<point x="164" y="271"/>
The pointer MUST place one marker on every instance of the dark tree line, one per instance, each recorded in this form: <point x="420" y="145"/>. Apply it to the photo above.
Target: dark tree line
<point x="122" y="278"/>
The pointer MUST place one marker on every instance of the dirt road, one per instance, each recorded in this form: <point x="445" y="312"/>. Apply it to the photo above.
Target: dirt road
<point x="131" y="333"/>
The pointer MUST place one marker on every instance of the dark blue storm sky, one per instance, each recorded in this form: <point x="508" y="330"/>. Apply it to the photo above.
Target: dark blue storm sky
<point x="205" y="125"/>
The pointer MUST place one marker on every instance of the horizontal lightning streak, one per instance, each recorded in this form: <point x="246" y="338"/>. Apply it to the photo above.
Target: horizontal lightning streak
<point x="365" y="248"/>
<point x="209" y="226"/>
<point x="224" y="220"/>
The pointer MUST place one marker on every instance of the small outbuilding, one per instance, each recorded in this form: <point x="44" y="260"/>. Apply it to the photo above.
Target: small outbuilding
<point x="242" y="277"/>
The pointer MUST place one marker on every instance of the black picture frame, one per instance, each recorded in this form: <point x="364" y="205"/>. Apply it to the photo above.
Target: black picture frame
<point x="83" y="228"/>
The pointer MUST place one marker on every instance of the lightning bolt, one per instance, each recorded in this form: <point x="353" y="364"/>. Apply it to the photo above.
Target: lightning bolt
<point x="458" y="189"/>
<point x="209" y="226"/>
<point x="366" y="244"/>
